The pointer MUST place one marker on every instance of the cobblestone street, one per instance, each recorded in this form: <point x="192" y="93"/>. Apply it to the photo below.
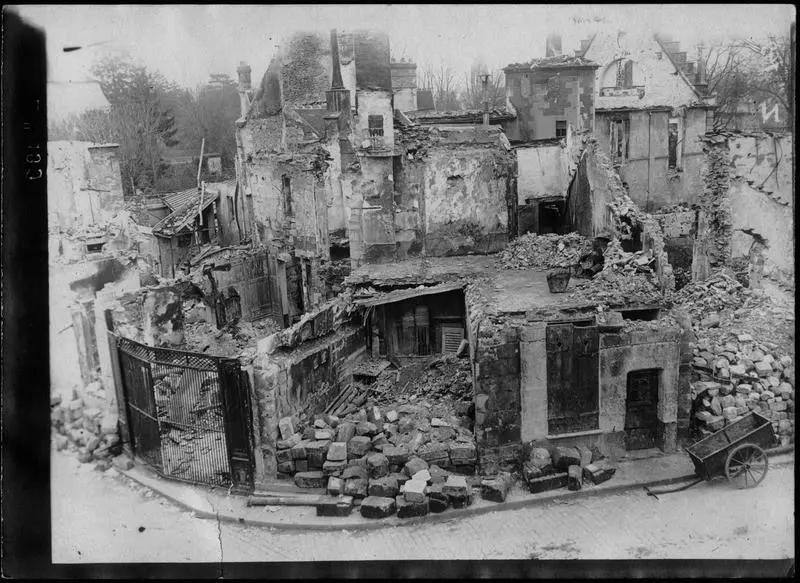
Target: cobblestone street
<point x="107" y="519"/>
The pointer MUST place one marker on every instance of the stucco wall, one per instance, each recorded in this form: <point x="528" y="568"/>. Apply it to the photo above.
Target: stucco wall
<point x="543" y="171"/>
<point x="652" y="183"/>
<point x="374" y="103"/>
<point x="619" y="354"/>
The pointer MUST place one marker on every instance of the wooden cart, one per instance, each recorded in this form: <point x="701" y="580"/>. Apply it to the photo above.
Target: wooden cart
<point x="735" y="451"/>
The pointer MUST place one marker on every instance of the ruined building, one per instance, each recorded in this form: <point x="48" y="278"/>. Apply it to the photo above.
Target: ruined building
<point x="334" y="170"/>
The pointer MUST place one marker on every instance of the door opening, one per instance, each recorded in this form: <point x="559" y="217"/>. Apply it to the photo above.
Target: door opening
<point x="641" y="416"/>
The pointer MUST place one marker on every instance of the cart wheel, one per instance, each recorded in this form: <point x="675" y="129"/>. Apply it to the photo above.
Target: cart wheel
<point x="746" y="466"/>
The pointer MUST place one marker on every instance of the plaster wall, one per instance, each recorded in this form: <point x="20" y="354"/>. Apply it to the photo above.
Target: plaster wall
<point x="543" y="171"/>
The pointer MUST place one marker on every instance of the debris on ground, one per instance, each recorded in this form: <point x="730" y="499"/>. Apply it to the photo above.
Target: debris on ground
<point x="231" y="340"/>
<point x="548" y="251"/>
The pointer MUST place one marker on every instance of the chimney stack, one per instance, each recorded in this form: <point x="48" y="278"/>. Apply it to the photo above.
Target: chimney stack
<point x="337" y="97"/>
<point x="243" y="70"/>
<point x="485" y="86"/>
<point x="553" y="46"/>
<point x="700" y="80"/>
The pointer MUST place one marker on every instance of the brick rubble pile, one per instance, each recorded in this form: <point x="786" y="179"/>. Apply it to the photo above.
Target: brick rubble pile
<point x="532" y="251"/>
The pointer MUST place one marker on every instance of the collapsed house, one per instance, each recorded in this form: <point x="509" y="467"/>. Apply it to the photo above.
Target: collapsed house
<point x="377" y="280"/>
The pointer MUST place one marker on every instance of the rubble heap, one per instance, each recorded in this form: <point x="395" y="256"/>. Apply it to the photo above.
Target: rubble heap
<point x="532" y="251"/>
<point x="625" y="278"/>
<point x="232" y="340"/>
<point x="80" y="423"/>
<point x="744" y="354"/>
<point x="550" y="467"/>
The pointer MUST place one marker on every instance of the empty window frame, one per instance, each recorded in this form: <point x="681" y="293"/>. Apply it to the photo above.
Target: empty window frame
<point x="375" y="123"/>
<point x="624" y="74"/>
<point x="286" y="191"/>
<point x="561" y="128"/>
<point x="674" y="136"/>
<point x="618" y="138"/>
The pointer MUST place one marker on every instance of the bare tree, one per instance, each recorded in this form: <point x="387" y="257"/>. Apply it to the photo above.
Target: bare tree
<point x="442" y="82"/>
<point x="472" y="94"/>
<point x="743" y="72"/>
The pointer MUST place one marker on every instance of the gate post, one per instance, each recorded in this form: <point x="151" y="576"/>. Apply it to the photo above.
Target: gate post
<point x="122" y="410"/>
<point x="238" y="422"/>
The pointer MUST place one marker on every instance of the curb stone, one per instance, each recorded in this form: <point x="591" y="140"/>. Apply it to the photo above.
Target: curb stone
<point x="443" y="517"/>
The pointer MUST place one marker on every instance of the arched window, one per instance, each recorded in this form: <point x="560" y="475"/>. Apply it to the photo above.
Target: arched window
<point x="624" y="74"/>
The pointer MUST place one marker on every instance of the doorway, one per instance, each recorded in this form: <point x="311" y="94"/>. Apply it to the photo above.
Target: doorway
<point x="641" y="417"/>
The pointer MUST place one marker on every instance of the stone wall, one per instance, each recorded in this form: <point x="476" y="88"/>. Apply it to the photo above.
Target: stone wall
<point x="497" y="400"/>
<point x="543" y="96"/>
<point x="301" y="369"/>
<point x="619" y="354"/>
<point x="748" y="200"/>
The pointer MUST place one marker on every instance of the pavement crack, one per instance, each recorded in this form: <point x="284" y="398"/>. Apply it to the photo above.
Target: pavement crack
<point x="219" y="537"/>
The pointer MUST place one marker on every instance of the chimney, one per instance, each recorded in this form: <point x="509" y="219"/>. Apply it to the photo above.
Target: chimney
<point x="700" y="80"/>
<point x="485" y="86"/>
<point x="338" y="97"/>
<point x="553" y="45"/>
<point x="243" y="70"/>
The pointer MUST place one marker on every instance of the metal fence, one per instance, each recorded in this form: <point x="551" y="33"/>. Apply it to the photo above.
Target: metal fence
<point x="189" y="414"/>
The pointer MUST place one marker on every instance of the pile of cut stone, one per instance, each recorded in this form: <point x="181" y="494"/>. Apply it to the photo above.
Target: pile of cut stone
<point x="551" y="467"/>
<point x="740" y="376"/>
<point x="327" y="445"/>
<point x="532" y="251"/>
<point x="81" y="424"/>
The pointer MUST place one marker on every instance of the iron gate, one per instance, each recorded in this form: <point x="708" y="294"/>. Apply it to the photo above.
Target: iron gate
<point x="188" y="413"/>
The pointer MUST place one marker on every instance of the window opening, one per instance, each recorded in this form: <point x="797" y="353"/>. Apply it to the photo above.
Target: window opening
<point x="286" y="191"/>
<point x="561" y="128"/>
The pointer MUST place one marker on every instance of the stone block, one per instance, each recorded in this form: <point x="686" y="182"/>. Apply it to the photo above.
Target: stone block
<point x="406" y="425"/>
<point x="310" y="479"/>
<point x="396" y="454"/>
<point x="335" y="486"/>
<point x="438" y="501"/>
<point x="438" y="475"/>
<point x="763" y="368"/>
<point x="391" y="416"/>
<point x="302" y="466"/>
<point x="767" y="395"/>
<point x="563" y="457"/>
<point x="422" y="476"/>
<point x="358" y="446"/>
<point x="346" y="431"/>
<point x="283" y="455"/>
<point x="434" y="453"/>
<point x="585" y="453"/>
<point x="386" y="487"/>
<point x="530" y="471"/>
<point x="109" y="423"/>
<point x="286" y="427"/>
<point x="299" y="451"/>
<point x="374" y="414"/>
<point x="574" y="478"/>
<point x="549" y="482"/>
<point x="324" y="434"/>
<point x="366" y="428"/>
<point x="414" y="465"/>
<point x="744" y="389"/>
<point x="379" y="441"/>
<point x="729" y="413"/>
<point x="377" y="507"/>
<point x="776" y="406"/>
<point x="414" y="490"/>
<point x="337" y="451"/>
<point x="60" y="441"/>
<point x="455" y="486"/>
<point x="286" y="467"/>
<point x="540" y="457"/>
<point x="122" y="462"/>
<point x="339" y="506"/>
<point x="598" y="472"/>
<point x="496" y="489"/>
<point x="738" y="370"/>
<point x="331" y="467"/>
<point x="356" y="487"/>
<point x="355" y="471"/>
<point x="716" y="423"/>
<point x="406" y="509"/>
<point x="377" y="465"/>
<point x="316" y="452"/>
<point x="462" y="453"/>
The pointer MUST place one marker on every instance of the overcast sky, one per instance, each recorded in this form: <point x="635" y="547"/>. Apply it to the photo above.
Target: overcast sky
<point x="187" y="43"/>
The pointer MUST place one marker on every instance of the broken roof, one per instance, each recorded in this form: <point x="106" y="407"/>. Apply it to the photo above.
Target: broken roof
<point x="557" y="62"/>
<point x="176" y="221"/>
<point x="469" y="116"/>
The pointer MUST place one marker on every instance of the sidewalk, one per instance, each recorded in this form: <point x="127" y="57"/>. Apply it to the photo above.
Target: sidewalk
<point x="218" y="504"/>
